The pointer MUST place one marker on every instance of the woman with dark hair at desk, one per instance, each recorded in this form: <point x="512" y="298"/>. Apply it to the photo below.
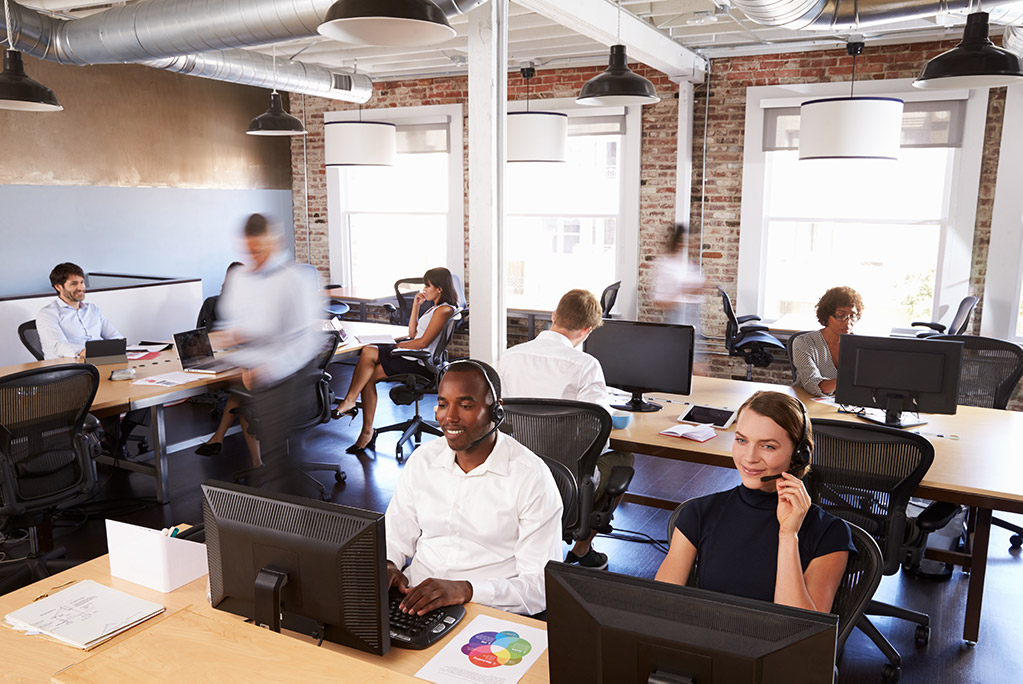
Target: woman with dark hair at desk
<point x="764" y="539"/>
<point x="815" y="354"/>
<point x="376" y="363"/>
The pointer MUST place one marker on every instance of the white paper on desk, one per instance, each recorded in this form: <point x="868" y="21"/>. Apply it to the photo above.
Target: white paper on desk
<point x="148" y="347"/>
<point x="488" y="651"/>
<point x="376" y="339"/>
<point x="171" y="379"/>
<point x="83" y="615"/>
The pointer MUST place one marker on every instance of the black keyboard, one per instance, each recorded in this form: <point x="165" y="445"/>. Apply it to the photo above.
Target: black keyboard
<point x="420" y="631"/>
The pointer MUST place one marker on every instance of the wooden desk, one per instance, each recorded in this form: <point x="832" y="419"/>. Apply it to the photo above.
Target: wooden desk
<point x="361" y="297"/>
<point x="974" y="461"/>
<point x="191" y="639"/>
<point x="115" y="397"/>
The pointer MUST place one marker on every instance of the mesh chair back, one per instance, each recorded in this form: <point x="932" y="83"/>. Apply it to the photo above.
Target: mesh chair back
<point x="862" y="576"/>
<point x="572" y="433"/>
<point x="568" y="489"/>
<point x="990" y="371"/>
<point x="313" y="396"/>
<point x="962" y="318"/>
<point x="865" y="475"/>
<point x="404" y="292"/>
<point x="691" y="581"/>
<point x="44" y="458"/>
<point x="29" y="337"/>
<point x="608" y="298"/>
<point x="732" y="323"/>
<point x="788" y="349"/>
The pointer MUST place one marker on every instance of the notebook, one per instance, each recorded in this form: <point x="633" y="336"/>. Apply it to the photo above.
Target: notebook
<point x="196" y="353"/>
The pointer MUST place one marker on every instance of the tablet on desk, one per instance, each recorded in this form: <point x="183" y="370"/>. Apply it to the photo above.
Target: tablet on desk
<point x="708" y="415"/>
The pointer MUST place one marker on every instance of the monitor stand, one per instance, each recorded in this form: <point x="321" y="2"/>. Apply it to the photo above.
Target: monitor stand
<point x="892" y="416"/>
<point x="637" y="405"/>
<point x="268" y="585"/>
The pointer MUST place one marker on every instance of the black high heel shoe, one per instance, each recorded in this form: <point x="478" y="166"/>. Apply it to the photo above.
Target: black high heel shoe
<point x="358" y="450"/>
<point x="351" y="413"/>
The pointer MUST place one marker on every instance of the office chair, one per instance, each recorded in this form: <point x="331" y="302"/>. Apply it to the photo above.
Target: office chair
<point x="990" y="371"/>
<point x="45" y="461"/>
<point x="752" y="342"/>
<point x="608" y="298"/>
<point x="404" y="292"/>
<point x="862" y="576"/>
<point x="572" y="434"/>
<point x="207" y="317"/>
<point x="958" y="324"/>
<point x="865" y="474"/>
<point x="788" y="349"/>
<point x="29" y="337"/>
<point x="311" y="401"/>
<point x="412" y="387"/>
<point x="335" y="308"/>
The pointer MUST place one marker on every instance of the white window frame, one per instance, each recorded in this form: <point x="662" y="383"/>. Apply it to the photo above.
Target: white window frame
<point x="955" y="246"/>
<point x="627" y="222"/>
<point x="1002" y="289"/>
<point x="338" y="230"/>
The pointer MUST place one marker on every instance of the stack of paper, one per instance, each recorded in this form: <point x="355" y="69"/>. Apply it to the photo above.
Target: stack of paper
<point x="697" y="433"/>
<point x="83" y="615"/>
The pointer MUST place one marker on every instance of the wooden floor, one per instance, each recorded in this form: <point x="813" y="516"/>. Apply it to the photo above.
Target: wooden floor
<point x="371" y="480"/>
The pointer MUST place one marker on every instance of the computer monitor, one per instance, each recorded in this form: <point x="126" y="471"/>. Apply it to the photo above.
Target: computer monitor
<point x="606" y="628"/>
<point x="896" y="374"/>
<point x="644" y="357"/>
<point x="312" y="567"/>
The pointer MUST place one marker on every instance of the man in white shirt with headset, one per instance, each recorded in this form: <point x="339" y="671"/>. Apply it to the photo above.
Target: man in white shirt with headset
<point x="475" y="516"/>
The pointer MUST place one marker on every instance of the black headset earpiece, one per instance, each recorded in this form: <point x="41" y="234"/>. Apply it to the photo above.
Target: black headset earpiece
<point x="801" y="454"/>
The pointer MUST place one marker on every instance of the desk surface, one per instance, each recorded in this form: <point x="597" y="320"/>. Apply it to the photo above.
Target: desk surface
<point x="356" y="294"/>
<point x="974" y="450"/>
<point x="219" y="645"/>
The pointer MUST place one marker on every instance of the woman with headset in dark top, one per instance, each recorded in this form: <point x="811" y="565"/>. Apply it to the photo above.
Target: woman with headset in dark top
<point x="764" y="539"/>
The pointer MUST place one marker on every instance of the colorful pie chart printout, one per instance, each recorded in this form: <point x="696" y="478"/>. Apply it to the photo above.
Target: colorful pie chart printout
<point x="493" y="649"/>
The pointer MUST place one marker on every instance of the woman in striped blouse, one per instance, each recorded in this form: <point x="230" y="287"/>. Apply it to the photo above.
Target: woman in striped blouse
<point x="815" y="354"/>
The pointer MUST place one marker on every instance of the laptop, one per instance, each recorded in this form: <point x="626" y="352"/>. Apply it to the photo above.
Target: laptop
<point x="196" y="353"/>
<point x="106" y="352"/>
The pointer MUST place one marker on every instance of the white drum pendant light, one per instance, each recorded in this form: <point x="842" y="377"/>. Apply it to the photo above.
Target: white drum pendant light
<point x="536" y="136"/>
<point x="850" y="127"/>
<point x="359" y="143"/>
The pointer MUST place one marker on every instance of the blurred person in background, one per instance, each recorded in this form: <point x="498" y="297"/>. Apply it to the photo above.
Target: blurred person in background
<point x="678" y="287"/>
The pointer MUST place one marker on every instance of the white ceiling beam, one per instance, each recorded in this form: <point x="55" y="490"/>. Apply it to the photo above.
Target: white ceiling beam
<point x="598" y="19"/>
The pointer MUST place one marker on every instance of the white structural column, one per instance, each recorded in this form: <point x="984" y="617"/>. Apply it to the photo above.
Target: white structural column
<point x="488" y="106"/>
<point x="684" y="162"/>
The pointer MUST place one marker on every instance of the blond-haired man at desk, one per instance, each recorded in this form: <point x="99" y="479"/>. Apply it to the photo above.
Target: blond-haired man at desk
<point x="553" y="367"/>
<point x="65" y="324"/>
<point x="476" y="513"/>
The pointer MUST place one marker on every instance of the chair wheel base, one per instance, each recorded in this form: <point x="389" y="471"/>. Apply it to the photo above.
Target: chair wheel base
<point x="923" y="635"/>
<point x="1016" y="541"/>
<point x="340" y="477"/>
<point x="890" y="674"/>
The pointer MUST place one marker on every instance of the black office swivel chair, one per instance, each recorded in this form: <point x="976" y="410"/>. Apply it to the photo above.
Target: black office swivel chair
<point x="45" y="462"/>
<point x="866" y="474"/>
<point x="958" y="324"/>
<point x="752" y="342"/>
<point x="311" y="404"/>
<point x="572" y="435"/>
<point x="862" y="576"/>
<point x="404" y="292"/>
<point x="990" y="371"/>
<point x="788" y="349"/>
<point x="608" y="298"/>
<point x="29" y="337"/>
<point x="335" y="308"/>
<point x="412" y="387"/>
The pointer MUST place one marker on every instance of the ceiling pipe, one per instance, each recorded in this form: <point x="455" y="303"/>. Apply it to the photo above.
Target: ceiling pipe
<point x="854" y="15"/>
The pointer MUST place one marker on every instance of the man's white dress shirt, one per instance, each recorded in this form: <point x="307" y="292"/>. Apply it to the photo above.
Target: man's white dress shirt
<point x="549" y="367"/>
<point x="63" y="329"/>
<point x="495" y="526"/>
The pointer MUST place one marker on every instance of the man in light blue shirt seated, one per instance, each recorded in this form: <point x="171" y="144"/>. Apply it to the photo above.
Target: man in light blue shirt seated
<point x="66" y="323"/>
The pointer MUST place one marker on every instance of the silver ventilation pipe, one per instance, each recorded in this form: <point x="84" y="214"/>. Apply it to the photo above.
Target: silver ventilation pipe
<point x="1013" y="39"/>
<point x="853" y="15"/>
<point x="256" y="69"/>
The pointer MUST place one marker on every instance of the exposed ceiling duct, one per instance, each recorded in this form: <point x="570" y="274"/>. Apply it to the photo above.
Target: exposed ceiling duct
<point x="852" y="15"/>
<point x="200" y="38"/>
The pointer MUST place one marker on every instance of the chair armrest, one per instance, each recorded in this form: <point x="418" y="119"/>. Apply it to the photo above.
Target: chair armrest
<point x="936" y="516"/>
<point x="586" y="488"/>
<point x="390" y="308"/>
<point x="933" y="326"/>
<point x="619" y="480"/>
<point x="753" y="328"/>
<point x="747" y="318"/>
<point x="419" y="354"/>
<point x="91" y="423"/>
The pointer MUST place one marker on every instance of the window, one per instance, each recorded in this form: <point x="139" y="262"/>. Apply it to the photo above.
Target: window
<point x="566" y="223"/>
<point x="387" y="223"/>
<point x="898" y="232"/>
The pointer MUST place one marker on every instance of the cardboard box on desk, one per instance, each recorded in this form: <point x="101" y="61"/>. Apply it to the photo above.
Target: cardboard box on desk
<point x="147" y="557"/>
